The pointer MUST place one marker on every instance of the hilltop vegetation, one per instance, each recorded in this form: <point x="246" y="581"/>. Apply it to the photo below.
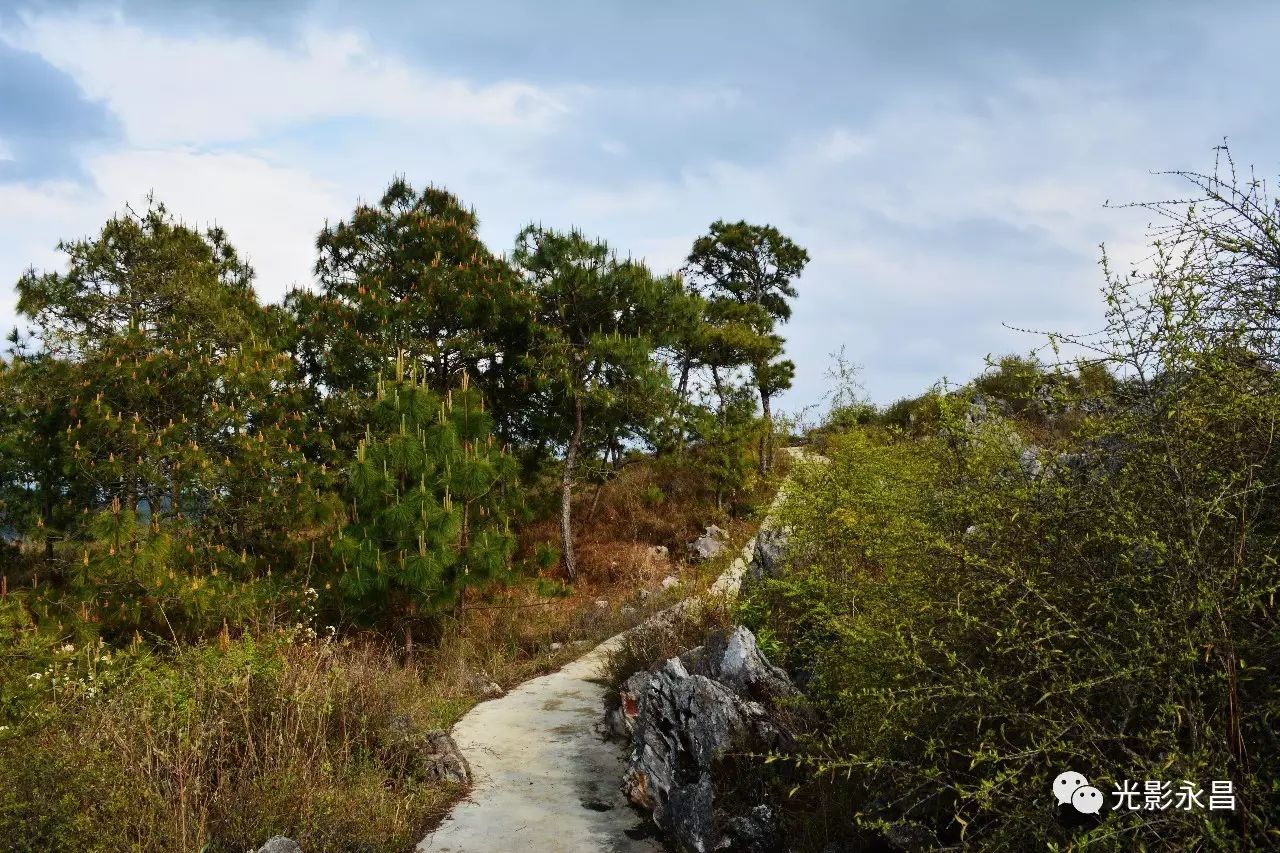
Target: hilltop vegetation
<point x="1054" y="567"/>
<point x="247" y="550"/>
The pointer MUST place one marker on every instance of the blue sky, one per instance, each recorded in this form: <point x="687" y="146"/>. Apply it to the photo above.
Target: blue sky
<point x="945" y="163"/>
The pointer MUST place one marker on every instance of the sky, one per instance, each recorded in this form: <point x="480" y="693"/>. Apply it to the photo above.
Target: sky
<point x="946" y="164"/>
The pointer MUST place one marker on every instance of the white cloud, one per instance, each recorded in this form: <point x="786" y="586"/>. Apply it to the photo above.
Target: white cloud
<point x="271" y="213"/>
<point x="205" y="89"/>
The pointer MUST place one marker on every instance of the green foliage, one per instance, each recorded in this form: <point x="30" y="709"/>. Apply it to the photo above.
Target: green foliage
<point x="179" y="462"/>
<point x="156" y="458"/>
<point x="430" y="496"/>
<point x="747" y="273"/>
<point x="410" y="277"/>
<point x="598" y="322"/>
<point x="975" y="613"/>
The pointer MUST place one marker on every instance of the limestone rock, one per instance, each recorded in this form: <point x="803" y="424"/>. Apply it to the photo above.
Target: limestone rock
<point x="670" y="581"/>
<point x="754" y="832"/>
<point x="736" y="661"/>
<point x="705" y="548"/>
<point x="485" y="687"/>
<point x="442" y="761"/>
<point x="767" y="556"/>
<point x="280" y="844"/>
<point x="1029" y="461"/>
<point x="683" y="718"/>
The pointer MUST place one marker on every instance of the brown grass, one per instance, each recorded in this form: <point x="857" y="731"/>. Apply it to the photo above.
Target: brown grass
<point x="217" y="746"/>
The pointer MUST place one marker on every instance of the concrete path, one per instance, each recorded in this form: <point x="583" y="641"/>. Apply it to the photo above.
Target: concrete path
<point x="544" y="779"/>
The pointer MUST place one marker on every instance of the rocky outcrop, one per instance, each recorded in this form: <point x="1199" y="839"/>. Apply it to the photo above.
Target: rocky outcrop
<point x="768" y="553"/>
<point x="707" y="546"/>
<point x="685" y="717"/>
<point x="280" y="844"/>
<point x="441" y="761"/>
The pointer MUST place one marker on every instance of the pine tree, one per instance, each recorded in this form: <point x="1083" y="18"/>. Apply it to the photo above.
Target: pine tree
<point x="178" y="439"/>
<point x="429" y="498"/>
<point x="409" y="277"/>
<point x="753" y="266"/>
<point x="599" y="321"/>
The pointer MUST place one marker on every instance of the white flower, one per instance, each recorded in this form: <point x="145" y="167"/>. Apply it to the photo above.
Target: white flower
<point x="68" y="648"/>
<point x="35" y="676"/>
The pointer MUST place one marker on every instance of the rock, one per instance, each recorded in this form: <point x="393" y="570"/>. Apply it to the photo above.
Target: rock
<point x="690" y="809"/>
<point x="432" y="754"/>
<point x="766" y="557"/>
<point x="670" y="581"/>
<point x="683" y="718"/>
<point x="716" y="532"/>
<point x="660" y="551"/>
<point x="615" y="724"/>
<point x="736" y="661"/>
<point x="440" y="760"/>
<point x="280" y="844"/>
<point x="1029" y="461"/>
<point x="485" y="687"/>
<point x="705" y="548"/>
<point x="555" y="647"/>
<point x="906" y="837"/>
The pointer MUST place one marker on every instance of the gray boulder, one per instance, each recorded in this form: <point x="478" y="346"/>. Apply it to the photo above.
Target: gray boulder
<point x="705" y="548"/>
<point x="754" y="832"/>
<point x="767" y="556"/>
<point x="709" y="545"/>
<point x="734" y="660"/>
<point x="280" y="844"/>
<point x="682" y="719"/>
<point x="441" y="761"/>
<point x="1029" y="461"/>
<point x="432" y="754"/>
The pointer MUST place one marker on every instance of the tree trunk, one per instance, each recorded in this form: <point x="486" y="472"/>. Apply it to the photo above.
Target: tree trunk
<point x="566" y="490"/>
<point x="766" y="440"/>
<point x="683" y="387"/>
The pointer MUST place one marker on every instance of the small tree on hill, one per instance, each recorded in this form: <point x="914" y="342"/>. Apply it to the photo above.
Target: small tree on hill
<point x="599" y="320"/>
<point x="429" y="497"/>
<point x="753" y="265"/>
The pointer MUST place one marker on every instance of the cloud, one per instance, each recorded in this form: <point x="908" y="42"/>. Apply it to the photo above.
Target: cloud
<point x="271" y="213"/>
<point x="205" y="89"/>
<point x="46" y="121"/>
<point x="946" y="168"/>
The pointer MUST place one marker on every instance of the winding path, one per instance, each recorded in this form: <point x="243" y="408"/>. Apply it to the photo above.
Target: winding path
<point x="544" y="779"/>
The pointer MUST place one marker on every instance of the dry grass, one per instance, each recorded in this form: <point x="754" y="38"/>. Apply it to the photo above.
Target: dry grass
<point x="217" y="746"/>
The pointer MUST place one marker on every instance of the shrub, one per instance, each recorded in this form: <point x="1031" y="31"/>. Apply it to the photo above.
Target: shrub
<point x="977" y="614"/>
